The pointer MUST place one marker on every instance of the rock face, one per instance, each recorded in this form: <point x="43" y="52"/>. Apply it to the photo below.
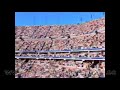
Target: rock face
<point x="56" y="37"/>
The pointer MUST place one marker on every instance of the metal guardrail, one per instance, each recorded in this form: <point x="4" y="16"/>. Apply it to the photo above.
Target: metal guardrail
<point x="63" y="58"/>
<point x="73" y="50"/>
